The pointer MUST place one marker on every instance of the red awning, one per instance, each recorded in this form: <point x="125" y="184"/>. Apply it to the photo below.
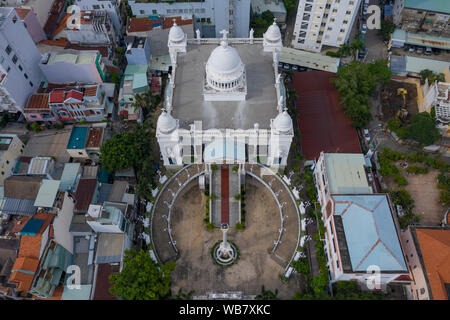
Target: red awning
<point x="123" y="112"/>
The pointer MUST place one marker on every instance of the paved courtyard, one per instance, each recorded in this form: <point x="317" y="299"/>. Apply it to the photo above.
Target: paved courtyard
<point x="256" y="266"/>
<point x="423" y="188"/>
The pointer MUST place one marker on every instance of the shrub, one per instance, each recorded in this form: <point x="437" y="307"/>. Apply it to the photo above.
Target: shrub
<point x="240" y="226"/>
<point x="235" y="168"/>
<point x="237" y="197"/>
<point x="302" y="266"/>
<point x="36" y="127"/>
<point x="333" y="54"/>
<point x="417" y="170"/>
<point x="214" y="167"/>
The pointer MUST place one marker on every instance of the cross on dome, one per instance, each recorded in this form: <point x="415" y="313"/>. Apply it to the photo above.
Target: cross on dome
<point x="174" y="22"/>
<point x="224" y="34"/>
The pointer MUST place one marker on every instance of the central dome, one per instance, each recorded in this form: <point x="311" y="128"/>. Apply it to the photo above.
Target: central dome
<point x="224" y="69"/>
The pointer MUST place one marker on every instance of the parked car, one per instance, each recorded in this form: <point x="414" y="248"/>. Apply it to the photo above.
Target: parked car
<point x="280" y="64"/>
<point x="364" y="28"/>
<point x="295" y="68"/>
<point x="302" y="69"/>
<point x="286" y="66"/>
<point x="419" y="50"/>
<point x="364" y="12"/>
<point x="367" y="135"/>
<point x="428" y="50"/>
<point x="362" y="53"/>
<point x="436" y="51"/>
<point x="412" y="49"/>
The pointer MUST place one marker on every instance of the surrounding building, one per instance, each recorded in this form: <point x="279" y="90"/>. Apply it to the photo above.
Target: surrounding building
<point x="73" y="66"/>
<point x="11" y="148"/>
<point x="324" y="23"/>
<point x="110" y="6"/>
<point x="91" y="103"/>
<point x="428" y="255"/>
<point x="135" y="81"/>
<point x="157" y="30"/>
<point x="85" y="142"/>
<point x="210" y="16"/>
<point x="275" y="6"/>
<point x="401" y="38"/>
<point x="31" y="23"/>
<point x="226" y="106"/>
<point x="94" y="28"/>
<point x="350" y="210"/>
<point x="138" y="50"/>
<point x="418" y="16"/>
<point x="20" y="74"/>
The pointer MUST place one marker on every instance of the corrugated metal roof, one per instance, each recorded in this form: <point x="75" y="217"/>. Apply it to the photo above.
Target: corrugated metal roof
<point x="81" y="293"/>
<point x="47" y="193"/>
<point x="109" y="247"/>
<point x="429" y="5"/>
<point x="69" y="176"/>
<point x="309" y="60"/>
<point x="21" y="207"/>
<point x="416" y="65"/>
<point x="346" y="174"/>
<point x="370" y="232"/>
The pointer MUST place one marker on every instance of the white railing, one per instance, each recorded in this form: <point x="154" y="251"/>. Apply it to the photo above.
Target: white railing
<point x="229" y="40"/>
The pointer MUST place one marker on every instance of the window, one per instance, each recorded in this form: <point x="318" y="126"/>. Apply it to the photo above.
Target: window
<point x="20" y="68"/>
<point x="155" y="12"/>
<point x="348" y="12"/>
<point x="3" y="172"/>
<point x="323" y="24"/>
<point x="334" y="10"/>
<point x="7" y="161"/>
<point x="31" y="84"/>
<point x="141" y="11"/>
<point x="345" y="22"/>
<point x="306" y="16"/>
<point x="411" y="254"/>
<point x="96" y="6"/>
<point x="342" y="30"/>
<point x="8" y="49"/>
<point x="25" y="75"/>
<point x="14" y="59"/>
<point x="328" y="6"/>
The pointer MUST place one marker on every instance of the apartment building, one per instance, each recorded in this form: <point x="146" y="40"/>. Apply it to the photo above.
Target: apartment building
<point x="110" y="6"/>
<point x="426" y="17"/>
<point x="20" y="74"/>
<point x="324" y="23"/>
<point x="11" y="147"/>
<point x="73" y="66"/>
<point x="210" y="16"/>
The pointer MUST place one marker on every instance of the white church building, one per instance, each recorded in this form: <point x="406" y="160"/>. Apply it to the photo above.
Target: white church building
<point x="225" y="101"/>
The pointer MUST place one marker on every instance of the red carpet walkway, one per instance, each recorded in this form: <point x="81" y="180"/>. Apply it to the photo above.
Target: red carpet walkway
<point x="225" y="194"/>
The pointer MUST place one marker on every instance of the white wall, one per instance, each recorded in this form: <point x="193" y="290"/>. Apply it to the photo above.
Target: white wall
<point x="61" y="224"/>
<point x="15" y="35"/>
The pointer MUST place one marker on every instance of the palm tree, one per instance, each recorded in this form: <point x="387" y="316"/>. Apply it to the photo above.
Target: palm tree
<point x="344" y="49"/>
<point x="356" y="46"/>
<point x="147" y="101"/>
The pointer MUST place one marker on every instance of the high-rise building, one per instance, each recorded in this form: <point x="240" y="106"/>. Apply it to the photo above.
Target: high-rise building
<point x="20" y="74"/>
<point x="324" y="22"/>
<point x="210" y="16"/>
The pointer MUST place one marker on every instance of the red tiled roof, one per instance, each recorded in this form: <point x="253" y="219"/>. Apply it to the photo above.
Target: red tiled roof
<point x="22" y="13"/>
<point x="145" y="24"/>
<point x="28" y="256"/>
<point x="102" y="283"/>
<point x="91" y="91"/>
<point x="54" y="14"/>
<point x="142" y="24"/>
<point x="74" y="94"/>
<point x="435" y="249"/>
<point x="94" y="138"/>
<point x="85" y="192"/>
<point x="61" y="42"/>
<point x="38" y="101"/>
<point x="168" y="22"/>
<point x="102" y="49"/>
<point x="323" y="124"/>
<point x="57" y="96"/>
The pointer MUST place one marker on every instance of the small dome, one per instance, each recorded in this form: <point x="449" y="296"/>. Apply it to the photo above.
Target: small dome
<point x="166" y="123"/>
<point x="273" y="33"/>
<point x="176" y="34"/>
<point x="224" y="60"/>
<point x="282" y="122"/>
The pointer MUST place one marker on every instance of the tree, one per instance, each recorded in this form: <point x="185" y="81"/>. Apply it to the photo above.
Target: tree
<point x="290" y="5"/>
<point x="344" y="50"/>
<point x="349" y="290"/>
<point x="147" y="101"/>
<point x="431" y="76"/>
<point x="267" y="294"/>
<point x="356" y="46"/>
<point x="423" y="129"/>
<point x="387" y="27"/>
<point x="125" y="150"/>
<point x="141" y="278"/>
<point x="382" y="72"/>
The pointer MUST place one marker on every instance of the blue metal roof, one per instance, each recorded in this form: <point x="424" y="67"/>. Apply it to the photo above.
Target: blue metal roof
<point x="370" y="232"/>
<point x="429" y="5"/>
<point x="78" y="138"/>
<point x="32" y="227"/>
